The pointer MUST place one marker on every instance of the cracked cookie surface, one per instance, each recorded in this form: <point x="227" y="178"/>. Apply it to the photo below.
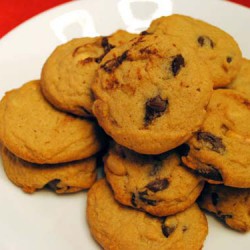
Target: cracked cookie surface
<point x="216" y="48"/>
<point x="219" y="151"/>
<point x="231" y="205"/>
<point x="143" y="92"/>
<point x="158" y="184"/>
<point x="118" y="227"/>
<point x="35" y="131"/>
<point x="61" y="178"/>
<point x="69" y="71"/>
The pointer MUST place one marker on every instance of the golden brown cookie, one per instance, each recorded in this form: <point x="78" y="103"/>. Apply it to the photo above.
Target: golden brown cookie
<point x="62" y="178"/>
<point x="36" y="132"/>
<point x="143" y="94"/>
<point x="156" y="184"/>
<point x="71" y="68"/>
<point x="231" y="205"/>
<point x="219" y="151"/>
<point x="118" y="227"/>
<point x="242" y="81"/>
<point x="216" y="48"/>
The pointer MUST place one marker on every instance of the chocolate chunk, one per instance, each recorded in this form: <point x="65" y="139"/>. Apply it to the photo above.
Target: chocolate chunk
<point x="208" y="171"/>
<point x="144" y="33"/>
<point x="215" y="198"/>
<point x="229" y="59"/>
<point x="205" y="40"/>
<point x="106" y="47"/>
<point x="214" y="142"/>
<point x="183" y="149"/>
<point x="155" y="107"/>
<point x="53" y="184"/>
<point x="177" y="63"/>
<point x="112" y="64"/>
<point x="146" y="200"/>
<point x="99" y="59"/>
<point x="158" y="185"/>
<point x="149" y="202"/>
<point x="133" y="200"/>
<point x="167" y="230"/>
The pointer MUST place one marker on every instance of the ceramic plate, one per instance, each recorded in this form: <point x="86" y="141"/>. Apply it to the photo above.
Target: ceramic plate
<point x="47" y="221"/>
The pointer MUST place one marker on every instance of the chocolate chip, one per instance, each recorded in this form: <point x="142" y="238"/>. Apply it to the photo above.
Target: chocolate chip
<point x="215" y="198"/>
<point x="214" y="142"/>
<point x="177" y="63"/>
<point x="229" y="59"/>
<point x="167" y="230"/>
<point x="53" y="184"/>
<point x="112" y="64"/>
<point x="208" y="171"/>
<point x="155" y="107"/>
<point x="144" y="33"/>
<point x="99" y="59"/>
<point x="146" y="200"/>
<point x="133" y="200"/>
<point x="183" y="149"/>
<point x="205" y="40"/>
<point x="158" y="185"/>
<point x="106" y="47"/>
<point x="184" y="229"/>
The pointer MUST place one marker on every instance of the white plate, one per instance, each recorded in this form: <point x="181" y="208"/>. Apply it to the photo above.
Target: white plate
<point x="48" y="221"/>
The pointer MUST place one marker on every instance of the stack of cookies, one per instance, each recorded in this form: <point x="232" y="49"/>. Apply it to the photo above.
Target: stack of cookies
<point x="44" y="147"/>
<point x="175" y="101"/>
<point x="175" y="104"/>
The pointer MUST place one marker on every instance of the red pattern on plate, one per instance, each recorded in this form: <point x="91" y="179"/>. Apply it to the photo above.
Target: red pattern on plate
<point x="14" y="12"/>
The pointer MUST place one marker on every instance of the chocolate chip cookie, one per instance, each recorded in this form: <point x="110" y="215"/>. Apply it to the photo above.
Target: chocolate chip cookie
<point x="158" y="184"/>
<point x="71" y="68"/>
<point x="231" y="205"/>
<point x="219" y="151"/>
<point x="35" y="131"/>
<point x="216" y="48"/>
<point x="118" y="227"/>
<point x="143" y="92"/>
<point x="242" y="81"/>
<point x="62" y="178"/>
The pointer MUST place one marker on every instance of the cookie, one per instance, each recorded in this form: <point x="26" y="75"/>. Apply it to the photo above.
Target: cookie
<point x="219" y="151"/>
<point x="118" y="227"/>
<point x="216" y="48"/>
<point x="242" y="81"/>
<point x="231" y="205"/>
<point x="36" y="132"/>
<point x="143" y="92"/>
<point x="158" y="184"/>
<point x="62" y="178"/>
<point x="70" y="69"/>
